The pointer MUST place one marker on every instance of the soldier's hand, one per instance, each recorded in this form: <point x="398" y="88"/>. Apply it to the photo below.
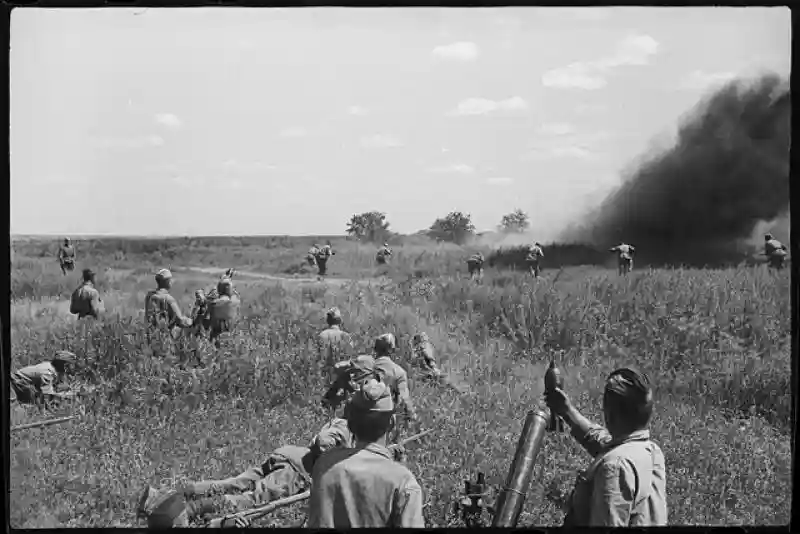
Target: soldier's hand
<point x="557" y="401"/>
<point x="235" y="522"/>
<point x="399" y="453"/>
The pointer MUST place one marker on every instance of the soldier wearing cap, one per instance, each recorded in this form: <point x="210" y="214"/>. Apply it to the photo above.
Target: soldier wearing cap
<point x="383" y="254"/>
<point x="223" y="311"/>
<point x="364" y="486"/>
<point x="775" y="251"/>
<point x="392" y="374"/>
<point x="625" y="485"/>
<point x="66" y="256"/>
<point x="333" y="343"/>
<point x="85" y="300"/>
<point x="161" y="308"/>
<point x="284" y="473"/>
<point x="39" y="382"/>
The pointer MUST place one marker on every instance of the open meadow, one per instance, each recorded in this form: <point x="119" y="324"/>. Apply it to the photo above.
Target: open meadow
<point x="716" y="344"/>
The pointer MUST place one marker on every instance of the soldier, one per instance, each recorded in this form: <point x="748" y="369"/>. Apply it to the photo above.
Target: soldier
<point x="475" y="265"/>
<point x="348" y="375"/>
<point x="36" y="383"/>
<point x="66" y="256"/>
<point x="333" y="342"/>
<point x="223" y="311"/>
<point x="161" y="308"/>
<point x="392" y="374"/>
<point x="85" y="300"/>
<point x="625" y="258"/>
<point x="625" y="486"/>
<point x="383" y="255"/>
<point x="311" y="257"/>
<point x="775" y="251"/>
<point x="423" y="349"/>
<point x="284" y="473"/>
<point x="200" y="319"/>
<point x="535" y="253"/>
<point x="365" y="486"/>
<point x="323" y="256"/>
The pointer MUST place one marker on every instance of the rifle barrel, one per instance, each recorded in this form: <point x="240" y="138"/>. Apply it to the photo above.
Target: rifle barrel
<point x="42" y="423"/>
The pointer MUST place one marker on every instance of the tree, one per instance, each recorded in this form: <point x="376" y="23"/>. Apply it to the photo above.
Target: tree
<point x="456" y="227"/>
<point x="371" y="226"/>
<point x="515" y="222"/>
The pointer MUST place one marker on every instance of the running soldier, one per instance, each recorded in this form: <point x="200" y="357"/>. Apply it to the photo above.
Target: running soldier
<point x="775" y="251"/>
<point x="423" y="349"/>
<point x="475" y="265"/>
<point x="383" y="255"/>
<point x="323" y="256"/>
<point x="535" y="253"/>
<point x="38" y="383"/>
<point x="66" y="256"/>
<point x="85" y="300"/>
<point x="392" y="374"/>
<point x="624" y="258"/>
<point x="161" y="308"/>
<point x="311" y="257"/>
<point x="365" y="486"/>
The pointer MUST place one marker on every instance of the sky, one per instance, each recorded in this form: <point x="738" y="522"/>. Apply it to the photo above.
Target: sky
<point x="214" y="121"/>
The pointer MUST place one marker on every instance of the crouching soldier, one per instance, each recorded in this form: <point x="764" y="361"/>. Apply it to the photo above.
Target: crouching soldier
<point x="365" y="486"/>
<point x="383" y="255"/>
<point x="39" y="383"/>
<point x="475" y="265"/>
<point x="284" y="473"/>
<point x="85" y="300"/>
<point x="775" y="251"/>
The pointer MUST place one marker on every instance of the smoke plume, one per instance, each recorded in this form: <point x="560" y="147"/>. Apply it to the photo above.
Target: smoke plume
<point x="710" y="197"/>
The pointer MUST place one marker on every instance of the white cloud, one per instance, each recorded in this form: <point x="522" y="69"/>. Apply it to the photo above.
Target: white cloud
<point x="380" y="141"/>
<point x="357" y="110"/>
<point x="700" y="80"/>
<point x="556" y="128"/>
<point x="482" y="106"/>
<point x="633" y="50"/>
<point x="460" y="51"/>
<point x="127" y="143"/>
<point x="458" y="168"/>
<point x="294" y="131"/>
<point x="169" y="120"/>
<point x="559" y="151"/>
<point x="500" y="180"/>
<point x="236" y="165"/>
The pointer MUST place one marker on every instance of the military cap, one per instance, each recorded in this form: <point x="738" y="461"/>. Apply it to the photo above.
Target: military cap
<point x="163" y="274"/>
<point x="373" y="396"/>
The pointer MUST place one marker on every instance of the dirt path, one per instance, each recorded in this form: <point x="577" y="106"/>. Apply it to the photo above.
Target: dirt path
<point x="291" y="279"/>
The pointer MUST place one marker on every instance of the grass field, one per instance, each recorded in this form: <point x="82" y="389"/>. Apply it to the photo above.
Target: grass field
<point x="716" y="343"/>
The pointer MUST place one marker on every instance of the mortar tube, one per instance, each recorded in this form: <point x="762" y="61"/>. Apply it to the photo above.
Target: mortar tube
<point x="512" y="498"/>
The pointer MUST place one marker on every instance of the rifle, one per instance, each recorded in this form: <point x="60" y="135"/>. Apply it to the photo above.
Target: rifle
<point x="43" y="423"/>
<point x="261" y="511"/>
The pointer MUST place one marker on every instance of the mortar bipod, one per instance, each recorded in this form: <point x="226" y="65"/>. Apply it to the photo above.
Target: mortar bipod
<point x="473" y="503"/>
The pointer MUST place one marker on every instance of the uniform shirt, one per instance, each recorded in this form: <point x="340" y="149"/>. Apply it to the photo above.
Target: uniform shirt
<point x="384" y="251"/>
<point x="625" y="484"/>
<point x="161" y="308"/>
<point x="86" y="301"/>
<point x="334" y="434"/>
<point x="534" y="253"/>
<point x="624" y="250"/>
<point x="772" y="246"/>
<point x="41" y="377"/>
<point x="424" y="351"/>
<point x="332" y="343"/>
<point x="396" y="378"/>
<point x="363" y="488"/>
<point x="325" y="251"/>
<point x="66" y="252"/>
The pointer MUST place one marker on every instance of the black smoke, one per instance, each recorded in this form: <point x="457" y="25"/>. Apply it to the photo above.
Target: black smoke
<point x="699" y="201"/>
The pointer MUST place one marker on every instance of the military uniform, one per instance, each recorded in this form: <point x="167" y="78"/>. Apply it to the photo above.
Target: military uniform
<point x="363" y="487"/>
<point x="311" y="257"/>
<point x="532" y="259"/>
<point x="66" y="257"/>
<point x="625" y="257"/>
<point x="33" y="382"/>
<point x="775" y="251"/>
<point x="475" y="265"/>
<point x="383" y="255"/>
<point x="333" y="343"/>
<point x="625" y="486"/>
<point x="161" y="309"/>
<point x="397" y="379"/>
<point x="85" y="301"/>
<point x="322" y="259"/>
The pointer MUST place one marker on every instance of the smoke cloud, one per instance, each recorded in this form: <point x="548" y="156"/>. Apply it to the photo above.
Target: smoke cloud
<point x="710" y="196"/>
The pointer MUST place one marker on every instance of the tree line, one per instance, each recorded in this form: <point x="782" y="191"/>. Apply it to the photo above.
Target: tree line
<point x="455" y="227"/>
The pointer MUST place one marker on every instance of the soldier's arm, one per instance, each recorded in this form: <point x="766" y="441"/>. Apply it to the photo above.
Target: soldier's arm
<point x="613" y="494"/>
<point x="408" y="505"/>
<point x="176" y="316"/>
<point x="335" y="434"/>
<point x="592" y="437"/>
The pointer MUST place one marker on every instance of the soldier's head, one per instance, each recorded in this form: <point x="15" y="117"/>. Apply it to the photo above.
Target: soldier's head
<point x="419" y="339"/>
<point x="164" y="279"/>
<point x="385" y="345"/>
<point x="370" y="412"/>
<point x="333" y="317"/>
<point x="168" y="511"/>
<point x="538" y="244"/>
<point x="88" y="275"/>
<point x="63" y="361"/>
<point x="316" y="245"/>
<point x="627" y="401"/>
<point x="67" y="241"/>
<point x="767" y="237"/>
<point x="225" y="287"/>
<point x="386" y="245"/>
<point x="229" y="273"/>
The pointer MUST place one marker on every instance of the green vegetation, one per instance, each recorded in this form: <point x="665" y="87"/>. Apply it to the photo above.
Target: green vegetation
<point x="715" y="342"/>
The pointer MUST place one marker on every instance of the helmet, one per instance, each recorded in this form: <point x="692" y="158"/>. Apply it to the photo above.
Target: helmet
<point x="88" y="274"/>
<point x="67" y="240"/>
<point x="385" y="344"/>
<point x="163" y="275"/>
<point x="768" y="237"/>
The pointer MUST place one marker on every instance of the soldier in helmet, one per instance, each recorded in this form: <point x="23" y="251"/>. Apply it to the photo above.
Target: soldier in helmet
<point x="323" y="256"/>
<point x="392" y="374"/>
<point x="66" y="256"/>
<point x="85" y="300"/>
<point x="333" y="343"/>
<point x="383" y="255"/>
<point x="624" y="258"/>
<point x="161" y="308"/>
<point x="223" y="311"/>
<point x="775" y="251"/>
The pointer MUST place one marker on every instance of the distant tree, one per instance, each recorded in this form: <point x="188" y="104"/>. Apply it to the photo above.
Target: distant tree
<point x="515" y="222"/>
<point x="456" y="227"/>
<point x="370" y="226"/>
